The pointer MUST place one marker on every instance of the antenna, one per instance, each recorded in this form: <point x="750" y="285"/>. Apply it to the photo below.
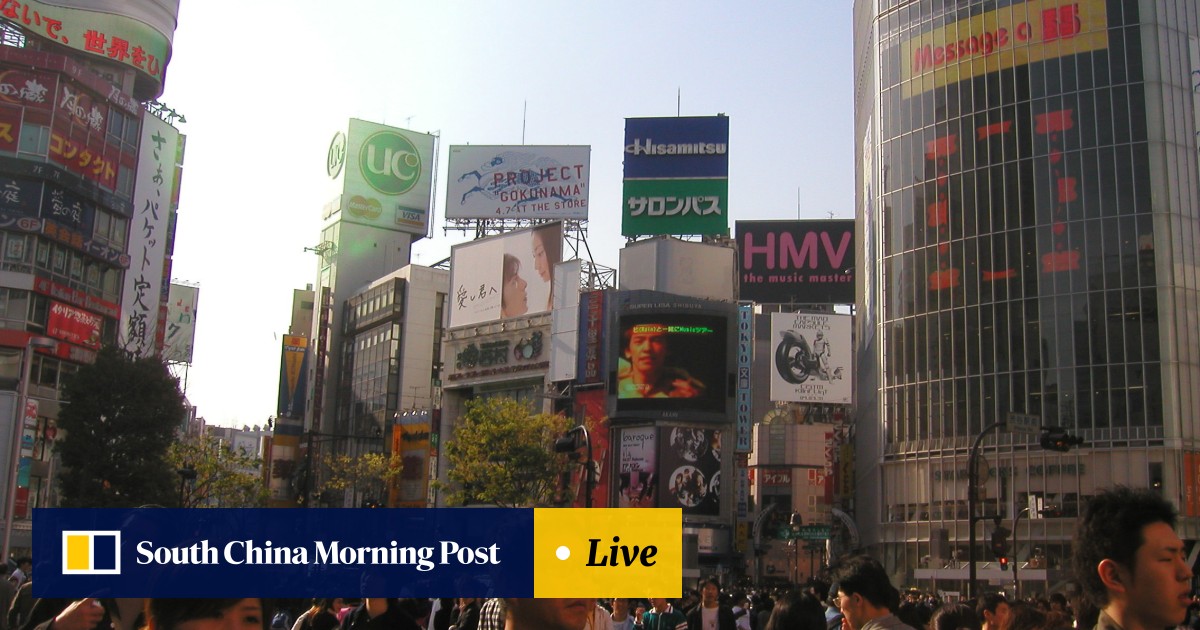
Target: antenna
<point x="678" y="101"/>
<point x="798" y="216"/>
<point x="524" y="111"/>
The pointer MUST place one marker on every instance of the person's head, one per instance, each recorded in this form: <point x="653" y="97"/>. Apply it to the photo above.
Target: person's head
<point x="620" y="607"/>
<point x="658" y="603"/>
<point x="796" y="611"/>
<point x="1025" y="616"/>
<point x="25" y="565"/>
<point x="993" y="610"/>
<point x="646" y="348"/>
<point x="514" y="300"/>
<point x="207" y="614"/>
<point x="547" y="251"/>
<point x="548" y="613"/>
<point x="710" y="591"/>
<point x="954" y="617"/>
<point x="328" y="604"/>
<point x="1129" y="559"/>
<point x="864" y="590"/>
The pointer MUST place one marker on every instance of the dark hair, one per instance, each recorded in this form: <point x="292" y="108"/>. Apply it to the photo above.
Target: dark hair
<point x="989" y="603"/>
<point x="865" y="576"/>
<point x="1111" y="528"/>
<point x="1026" y="616"/>
<point x="167" y="614"/>
<point x="553" y="246"/>
<point x="914" y="614"/>
<point x="796" y="611"/>
<point x="511" y="266"/>
<point x="953" y="617"/>
<point x="709" y="579"/>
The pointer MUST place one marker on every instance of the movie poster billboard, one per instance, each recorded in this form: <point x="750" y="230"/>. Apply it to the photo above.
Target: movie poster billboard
<point x="504" y="276"/>
<point x="490" y="182"/>
<point x="676" y="176"/>
<point x="637" y="473"/>
<point x="385" y="176"/>
<point x="691" y="470"/>
<point x="796" y="262"/>
<point x="810" y="357"/>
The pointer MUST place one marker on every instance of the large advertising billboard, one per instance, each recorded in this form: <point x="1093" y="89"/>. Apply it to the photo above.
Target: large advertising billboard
<point x="293" y="388"/>
<point x="810" y="358"/>
<point x="672" y="361"/>
<point x="180" y="335"/>
<point x="137" y="35"/>
<point x="74" y="325"/>
<point x="490" y="182"/>
<point x="504" y="276"/>
<point x="676" y="176"/>
<point x="637" y="472"/>
<point x="796" y="262"/>
<point x="690" y="465"/>
<point x="386" y="176"/>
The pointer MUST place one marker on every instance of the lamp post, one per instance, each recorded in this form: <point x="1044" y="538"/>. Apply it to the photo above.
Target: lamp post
<point x="569" y="444"/>
<point x="10" y="503"/>
<point x="187" y="474"/>
<point x="795" y="523"/>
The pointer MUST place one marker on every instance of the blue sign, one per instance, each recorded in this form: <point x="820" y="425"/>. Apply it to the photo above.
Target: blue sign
<point x="674" y="148"/>
<point x="469" y="552"/>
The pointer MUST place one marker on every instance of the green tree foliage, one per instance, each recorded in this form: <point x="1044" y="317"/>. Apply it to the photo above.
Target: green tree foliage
<point x="119" y="420"/>
<point x="369" y="474"/>
<point x="225" y="477"/>
<point x="503" y="455"/>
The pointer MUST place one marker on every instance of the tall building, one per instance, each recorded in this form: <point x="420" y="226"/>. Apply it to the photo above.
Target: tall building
<point x="1027" y="195"/>
<point x="77" y="172"/>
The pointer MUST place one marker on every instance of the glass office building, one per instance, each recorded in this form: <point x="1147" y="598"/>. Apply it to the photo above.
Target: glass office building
<point x="1028" y="194"/>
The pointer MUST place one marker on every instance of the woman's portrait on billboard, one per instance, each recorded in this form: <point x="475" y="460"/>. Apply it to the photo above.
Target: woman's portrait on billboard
<point x="547" y="252"/>
<point x="514" y="297"/>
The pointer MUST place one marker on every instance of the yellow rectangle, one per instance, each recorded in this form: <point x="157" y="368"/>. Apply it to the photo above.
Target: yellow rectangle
<point x="644" y="544"/>
<point x="1015" y="35"/>
<point x="79" y="553"/>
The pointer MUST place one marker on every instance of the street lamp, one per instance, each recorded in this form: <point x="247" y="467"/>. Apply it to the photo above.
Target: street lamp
<point x="187" y="474"/>
<point x="10" y="503"/>
<point x="795" y="523"/>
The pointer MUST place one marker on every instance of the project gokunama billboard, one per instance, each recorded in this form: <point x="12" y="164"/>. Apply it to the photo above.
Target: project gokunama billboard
<point x="504" y="276"/>
<point x="489" y="182"/>
<point x="796" y="262"/>
<point x="676" y="176"/>
<point x="810" y="358"/>
<point x="385" y="176"/>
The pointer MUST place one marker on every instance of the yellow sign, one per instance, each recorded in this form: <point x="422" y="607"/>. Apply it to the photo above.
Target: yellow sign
<point x="608" y="552"/>
<point x="1019" y="34"/>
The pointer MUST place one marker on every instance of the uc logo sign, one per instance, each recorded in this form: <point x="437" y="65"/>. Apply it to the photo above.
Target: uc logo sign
<point x="389" y="163"/>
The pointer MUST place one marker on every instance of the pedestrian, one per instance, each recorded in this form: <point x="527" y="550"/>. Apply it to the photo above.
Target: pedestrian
<point x="993" y="610"/>
<point x="1130" y="561"/>
<point x="547" y="614"/>
<point x="662" y="616"/>
<point x="206" y="614"/>
<point x="866" y="596"/>
<point x="710" y="614"/>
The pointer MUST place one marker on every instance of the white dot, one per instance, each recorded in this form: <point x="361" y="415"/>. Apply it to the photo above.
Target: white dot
<point x="563" y="552"/>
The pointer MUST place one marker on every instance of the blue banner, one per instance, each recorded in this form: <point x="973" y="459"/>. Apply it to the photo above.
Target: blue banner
<point x="687" y="147"/>
<point x="461" y="552"/>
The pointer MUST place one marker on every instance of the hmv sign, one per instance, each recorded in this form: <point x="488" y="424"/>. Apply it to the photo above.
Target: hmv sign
<point x="796" y="262"/>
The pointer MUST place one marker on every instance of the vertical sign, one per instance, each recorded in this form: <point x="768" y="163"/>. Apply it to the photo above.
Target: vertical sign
<point x="745" y="350"/>
<point x="180" y="335"/>
<point x="1194" y="53"/>
<point x="148" y="236"/>
<point x="638" y="472"/>
<point x="28" y="434"/>
<point x="591" y="336"/>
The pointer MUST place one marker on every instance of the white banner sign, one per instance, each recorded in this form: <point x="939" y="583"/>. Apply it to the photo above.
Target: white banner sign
<point x="545" y="182"/>
<point x="810" y="357"/>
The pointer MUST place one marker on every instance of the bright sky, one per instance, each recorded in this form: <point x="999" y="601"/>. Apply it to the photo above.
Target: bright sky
<point x="264" y="86"/>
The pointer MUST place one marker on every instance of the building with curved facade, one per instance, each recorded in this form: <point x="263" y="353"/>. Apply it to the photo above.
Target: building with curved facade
<point x="1028" y="194"/>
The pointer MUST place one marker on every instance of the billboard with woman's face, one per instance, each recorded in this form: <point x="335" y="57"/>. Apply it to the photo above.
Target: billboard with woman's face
<point x="504" y="276"/>
<point x="690" y="464"/>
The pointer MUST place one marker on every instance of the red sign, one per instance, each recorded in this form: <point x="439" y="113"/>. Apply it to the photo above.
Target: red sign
<point x="74" y="325"/>
<point x="776" y="477"/>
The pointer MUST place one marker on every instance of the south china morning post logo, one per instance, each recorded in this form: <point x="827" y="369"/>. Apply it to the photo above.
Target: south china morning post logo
<point x="91" y="552"/>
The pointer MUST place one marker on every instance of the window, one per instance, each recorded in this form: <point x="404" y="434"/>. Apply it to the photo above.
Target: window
<point x="35" y="139"/>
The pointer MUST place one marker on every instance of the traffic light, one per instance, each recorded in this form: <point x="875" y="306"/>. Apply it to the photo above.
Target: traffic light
<point x="1054" y="439"/>
<point x="1003" y="563"/>
<point x="1000" y="544"/>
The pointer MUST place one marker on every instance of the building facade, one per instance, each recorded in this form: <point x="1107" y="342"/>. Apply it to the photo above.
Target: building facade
<point x="1028" y="200"/>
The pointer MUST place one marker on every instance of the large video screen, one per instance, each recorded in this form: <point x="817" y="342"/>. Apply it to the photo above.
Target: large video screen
<point x="672" y="361"/>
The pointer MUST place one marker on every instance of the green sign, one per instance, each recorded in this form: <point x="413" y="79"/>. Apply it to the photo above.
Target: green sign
<point x="675" y="206"/>
<point x="805" y="532"/>
<point x="389" y="163"/>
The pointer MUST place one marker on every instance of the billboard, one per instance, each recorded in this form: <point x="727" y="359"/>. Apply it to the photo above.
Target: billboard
<point x="690" y="462"/>
<point x="504" y="276"/>
<point x="796" y="262"/>
<point x="74" y="325"/>
<point x="180" y="335"/>
<point x="385" y="176"/>
<point x="152" y="193"/>
<point x="671" y="362"/>
<point x="293" y="387"/>
<point x="137" y="35"/>
<point x="676" y="176"/>
<point x="489" y="182"/>
<point x="637" y="473"/>
<point x="592" y="329"/>
<point x="811" y="355"/>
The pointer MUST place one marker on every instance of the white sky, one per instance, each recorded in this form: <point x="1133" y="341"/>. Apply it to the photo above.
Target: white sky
<point x="264" y="86"/>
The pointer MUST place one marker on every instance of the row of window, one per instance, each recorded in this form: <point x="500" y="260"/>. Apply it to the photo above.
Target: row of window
<point x="29" y="253"/>
<point x="34" y="143"/>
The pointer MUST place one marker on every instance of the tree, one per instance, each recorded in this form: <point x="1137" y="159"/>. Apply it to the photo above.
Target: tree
<point x="119" y="420"/>
<point x="369" y="474"/>
<point x="224" y="477"/>
<point x="502" y="455"/>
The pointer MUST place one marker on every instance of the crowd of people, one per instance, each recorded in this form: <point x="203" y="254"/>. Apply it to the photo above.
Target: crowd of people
<point x="1131" y="572"/>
